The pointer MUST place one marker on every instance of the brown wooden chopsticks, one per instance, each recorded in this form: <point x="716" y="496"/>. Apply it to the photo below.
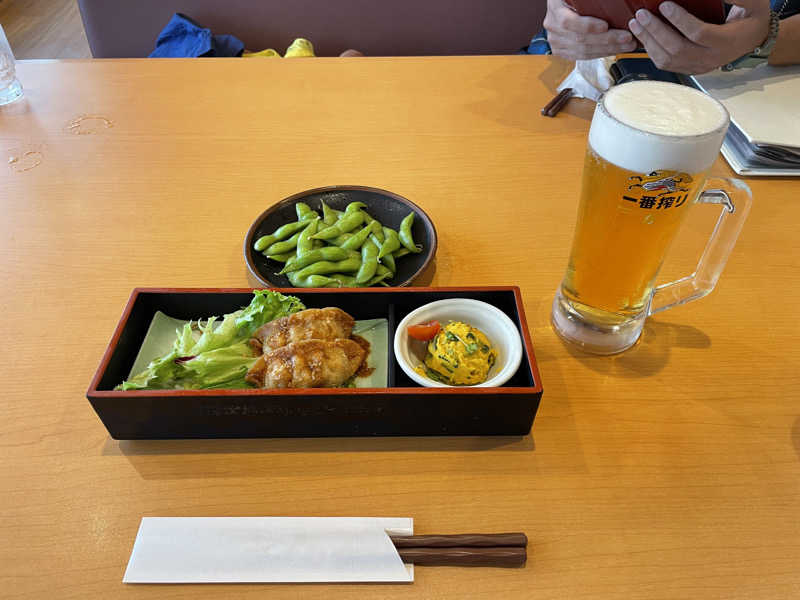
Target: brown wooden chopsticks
<point x="466" y="549"/>
<point x="552" y="108"/>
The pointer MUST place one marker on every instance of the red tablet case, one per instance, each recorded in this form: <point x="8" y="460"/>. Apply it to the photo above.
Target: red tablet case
<point x="617" y="13"/>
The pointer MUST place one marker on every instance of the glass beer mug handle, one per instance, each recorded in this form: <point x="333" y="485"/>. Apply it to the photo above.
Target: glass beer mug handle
<point x="735" y="198"/>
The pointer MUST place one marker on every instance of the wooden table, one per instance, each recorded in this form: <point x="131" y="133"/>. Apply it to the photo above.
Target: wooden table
<point x="670" y="471"/>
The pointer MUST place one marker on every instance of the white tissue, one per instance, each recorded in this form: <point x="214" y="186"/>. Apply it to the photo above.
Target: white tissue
<point x="268" y="549"/>
<point x="589" y="78"/>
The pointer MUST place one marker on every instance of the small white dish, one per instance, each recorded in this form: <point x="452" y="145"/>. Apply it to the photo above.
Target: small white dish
<point x="493" y="322"/>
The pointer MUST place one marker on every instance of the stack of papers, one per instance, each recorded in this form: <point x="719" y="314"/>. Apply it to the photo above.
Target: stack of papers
<point x="764" y="136"/>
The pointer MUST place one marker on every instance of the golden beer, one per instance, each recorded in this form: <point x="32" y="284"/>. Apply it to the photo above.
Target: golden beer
<point x="651" y="145"/>
<point x="626" y="222"/>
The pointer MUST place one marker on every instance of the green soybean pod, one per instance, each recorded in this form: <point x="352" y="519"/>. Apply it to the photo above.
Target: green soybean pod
<point x="381" y="273"/>
<point x="264" y="241"/>
<point x="304" y="212"/>
<point x="374" y="239"/>
<point x="343" y="279"/>
<point x="311" y="281"/>
<point x="281" y="257"/>
<point x="281" y="233"/>
<point x="304" y="242"/>
<point x="376" y="233"/>
<point x="369" y="263"/>
<point x="323" y="267"/>
<point x="344" y="225"/>
<point x="401" y="252"/>
<point x="338" y="240"/>
<point x="284" y="246"/>
<point x="391" y="242"/>
<point x="354" y="207"/>
<point x="329" y="216"/>
<point x="388" y="260"/>
<point x="376" y="227"/>
<point x="405" y="233"/>
<point x="356" y="240"/>
<point x="329" y="253"/>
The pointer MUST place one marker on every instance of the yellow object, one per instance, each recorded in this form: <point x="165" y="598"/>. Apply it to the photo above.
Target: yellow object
<point x="268" y="53"/>
<point x="300" y="47"/>
<point x="459" y="355"/>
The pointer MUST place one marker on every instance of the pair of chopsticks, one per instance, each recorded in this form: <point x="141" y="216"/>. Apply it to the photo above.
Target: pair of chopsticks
<point x="552" y="108"/>
<point x="463" y="550"/>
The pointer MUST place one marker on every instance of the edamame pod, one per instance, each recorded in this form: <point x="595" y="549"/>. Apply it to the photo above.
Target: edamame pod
<point x="284" y="246"/>
<point x="369" y="263"/>
<point x="405" y="233"/>
<point x="344" y="225"/>
<point x="356" y="240"/>
<point x="391" y="242"/>
<point x="323" y="267"/>
<point x="376" y="228"/>
<point x="281" y="257"/>
<point x="388" y="260"/>
<point x="311" y="281"/>
<point x="354" y="207"/>
<point x="304" y="243"/>
<point x="344" y="280"/>
<point x="304" y="212"/>
<point x="328" y="253"/>
<point x="281" y="233"/>
<point x="329" y="217"/>
<point x="338" y="240"/>
<point x="381" y="273"/>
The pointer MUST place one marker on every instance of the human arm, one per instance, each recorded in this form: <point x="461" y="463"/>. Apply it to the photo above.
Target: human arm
<point x="696" y="46"/>
<point x="575" y="37"/>
<point x="787" y="46"/>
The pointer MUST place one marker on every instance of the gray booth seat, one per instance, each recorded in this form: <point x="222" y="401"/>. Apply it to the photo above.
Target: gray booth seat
<point x="128" y="28"/>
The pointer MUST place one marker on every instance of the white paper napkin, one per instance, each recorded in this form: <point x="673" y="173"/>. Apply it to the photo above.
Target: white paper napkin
<point x="268" y="549"/>
<point x="589" y="78"/>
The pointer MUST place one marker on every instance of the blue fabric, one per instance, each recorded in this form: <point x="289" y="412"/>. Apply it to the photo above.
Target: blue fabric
<point x="786" y="8"/>
<point x="183" y="38"/>
<point x="227" y="45"/>
<point x="538" y="45"/>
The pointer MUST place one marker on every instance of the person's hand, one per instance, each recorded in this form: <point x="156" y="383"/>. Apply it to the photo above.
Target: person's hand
<point x="575" y="37"/>
<point x="696" y="46"/>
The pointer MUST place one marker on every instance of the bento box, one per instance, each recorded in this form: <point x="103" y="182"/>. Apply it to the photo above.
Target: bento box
<point x="401" y="408"/>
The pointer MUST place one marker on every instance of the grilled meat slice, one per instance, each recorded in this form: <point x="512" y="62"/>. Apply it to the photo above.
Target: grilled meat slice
<point x="314" y="323"/>
<point x="308" y="363"/>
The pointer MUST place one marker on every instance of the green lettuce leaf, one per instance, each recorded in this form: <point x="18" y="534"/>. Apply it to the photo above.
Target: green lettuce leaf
<point x="223" y="368"/>
<point x="220" y="357"/>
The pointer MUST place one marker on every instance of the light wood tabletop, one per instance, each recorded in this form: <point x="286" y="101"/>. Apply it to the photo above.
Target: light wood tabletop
<point x="670" y="471"/>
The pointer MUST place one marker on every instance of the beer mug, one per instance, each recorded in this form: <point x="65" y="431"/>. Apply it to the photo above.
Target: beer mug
<point x="651" y="145"/>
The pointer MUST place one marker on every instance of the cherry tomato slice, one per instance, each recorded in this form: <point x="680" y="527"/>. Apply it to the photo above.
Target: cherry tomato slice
<point x="424" y="331"/>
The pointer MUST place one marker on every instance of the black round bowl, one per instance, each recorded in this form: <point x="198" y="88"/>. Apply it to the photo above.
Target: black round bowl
<point x="388" y="208"/>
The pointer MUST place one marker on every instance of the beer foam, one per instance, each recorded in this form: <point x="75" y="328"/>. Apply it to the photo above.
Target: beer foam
<point x="645" y="126"/>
